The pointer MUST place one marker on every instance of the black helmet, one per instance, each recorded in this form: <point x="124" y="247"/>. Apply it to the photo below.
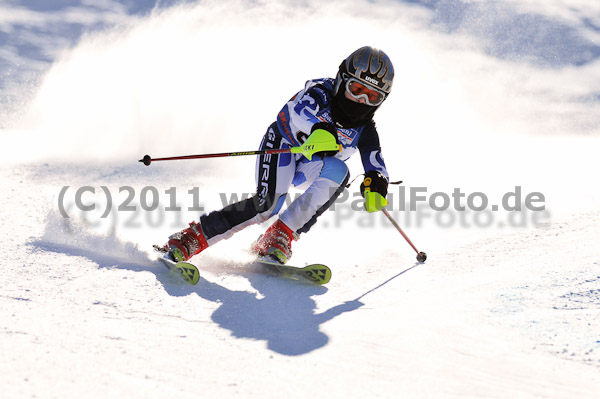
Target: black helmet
<point x="367" y="75"/>
<point x="369" y="65"/>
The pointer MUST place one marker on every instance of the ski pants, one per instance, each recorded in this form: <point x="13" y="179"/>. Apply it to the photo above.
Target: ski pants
<point x="322" y="179"/>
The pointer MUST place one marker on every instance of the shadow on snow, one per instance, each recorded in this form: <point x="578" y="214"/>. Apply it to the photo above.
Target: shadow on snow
<point x="283" y="313"/>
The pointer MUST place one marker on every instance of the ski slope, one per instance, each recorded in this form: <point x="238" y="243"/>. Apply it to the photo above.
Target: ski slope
<point x="489" y="98"/>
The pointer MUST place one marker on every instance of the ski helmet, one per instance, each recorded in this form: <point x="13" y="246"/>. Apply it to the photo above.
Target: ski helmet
<point x="370" y="70"/>
<point x="370" y="66"/>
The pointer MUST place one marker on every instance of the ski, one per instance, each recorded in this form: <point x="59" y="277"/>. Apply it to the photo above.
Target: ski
<point x="185" y="270"/>
<point x="316" y="273"/>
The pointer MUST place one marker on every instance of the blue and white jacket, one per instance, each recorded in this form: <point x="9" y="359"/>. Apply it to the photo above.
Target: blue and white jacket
<point x="312" y="105"/>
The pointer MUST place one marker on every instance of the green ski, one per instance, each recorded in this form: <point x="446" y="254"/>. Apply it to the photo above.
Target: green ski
<point x="315" y="273"/>
<point x="186" y="270"/>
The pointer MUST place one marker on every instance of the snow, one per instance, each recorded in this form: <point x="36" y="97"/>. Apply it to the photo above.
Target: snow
<point x="489" y="98"/>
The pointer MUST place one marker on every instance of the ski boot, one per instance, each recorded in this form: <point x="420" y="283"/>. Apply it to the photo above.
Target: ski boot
<point x="186" y="243"/>
<point x="276" y="242"/>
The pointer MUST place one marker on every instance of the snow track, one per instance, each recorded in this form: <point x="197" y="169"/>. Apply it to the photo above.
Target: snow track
<point x="507" y="316"/>
<point x="490" y="97"/>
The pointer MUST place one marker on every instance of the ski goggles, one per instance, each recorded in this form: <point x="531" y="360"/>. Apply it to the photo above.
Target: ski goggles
<point x="358" y="90"/>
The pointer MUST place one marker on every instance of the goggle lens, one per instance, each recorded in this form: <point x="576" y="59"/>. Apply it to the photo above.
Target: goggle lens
<point x="358" y="90"/>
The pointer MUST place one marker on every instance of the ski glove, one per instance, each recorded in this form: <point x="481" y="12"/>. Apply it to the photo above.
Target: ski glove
<point x="322" y="142"/>
<point x="374" y="189"/>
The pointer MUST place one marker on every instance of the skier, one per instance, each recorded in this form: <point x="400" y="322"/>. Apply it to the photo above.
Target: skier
<point x="336" y="114"/>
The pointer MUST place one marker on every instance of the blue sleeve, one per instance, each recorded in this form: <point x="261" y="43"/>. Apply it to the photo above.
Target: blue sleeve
<point x="298" y="115"/>
<point x="370" y="150"/>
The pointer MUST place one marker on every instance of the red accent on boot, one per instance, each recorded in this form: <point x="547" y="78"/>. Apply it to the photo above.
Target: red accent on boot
<point x="279" y="236"/>
<point x="190" y="241"/>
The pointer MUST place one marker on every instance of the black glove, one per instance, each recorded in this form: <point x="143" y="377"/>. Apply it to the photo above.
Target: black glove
<point x="331" y="129"/>
<point x="375" y="181"/>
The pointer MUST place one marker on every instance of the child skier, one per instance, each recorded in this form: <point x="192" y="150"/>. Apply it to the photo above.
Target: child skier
<point x="336" y="114"/>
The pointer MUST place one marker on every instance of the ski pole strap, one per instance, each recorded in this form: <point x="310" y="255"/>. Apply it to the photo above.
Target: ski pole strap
<point x="362" y="174"/>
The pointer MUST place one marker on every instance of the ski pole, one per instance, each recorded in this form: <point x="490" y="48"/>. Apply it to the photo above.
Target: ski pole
<point x="146" y="160"/>
<point x="421" y="256"/>
<point x="320" y="140"/>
